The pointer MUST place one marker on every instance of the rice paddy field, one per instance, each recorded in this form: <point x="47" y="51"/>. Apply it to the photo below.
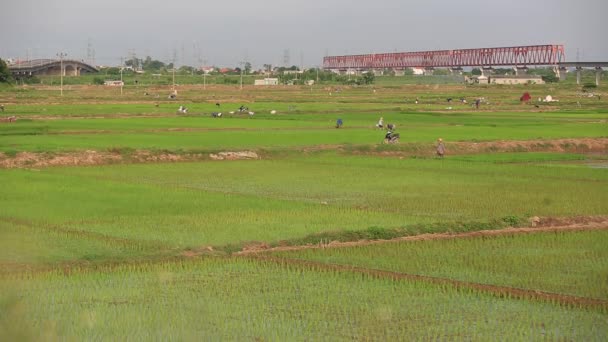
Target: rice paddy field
<point x="121" y="219"/>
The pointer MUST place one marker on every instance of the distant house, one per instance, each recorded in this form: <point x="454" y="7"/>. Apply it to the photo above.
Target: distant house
<point x="267" y="82"/>
<point x="207" y="69"/>
<point x="477" y="79"/>
<point x="225" y="70"/>
<point x="114" y="83"/>
<point x="418" y="71"/>
<point x="512" y="79"/>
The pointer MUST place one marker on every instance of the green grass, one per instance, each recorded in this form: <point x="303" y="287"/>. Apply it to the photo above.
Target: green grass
<point x="231" y="299"/>
<point x="22" y="246"/>
<point x="531" y="157"/>
<point x="97" y="253"/>
<point x="574" y="263"/>
<point x="287" y="130"/>
<point x="187" y="205"/>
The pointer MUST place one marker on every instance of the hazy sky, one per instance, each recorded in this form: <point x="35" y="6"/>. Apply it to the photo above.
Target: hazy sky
<point x="225" y="32"/>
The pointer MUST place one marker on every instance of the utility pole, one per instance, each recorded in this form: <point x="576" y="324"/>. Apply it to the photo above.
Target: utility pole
<point x="61" y="55"/>
<point x="174" y="61"/>
<point x="121" y="81"/>
<point x="242" y="67"/>
<point x="173" y="71"/>
<point x="204" y="75"/>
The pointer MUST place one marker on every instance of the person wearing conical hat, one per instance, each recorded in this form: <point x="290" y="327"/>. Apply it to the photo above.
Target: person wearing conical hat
<point x="440" y="148"/>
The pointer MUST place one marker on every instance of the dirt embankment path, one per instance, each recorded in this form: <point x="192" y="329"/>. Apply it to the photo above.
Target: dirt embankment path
<point x="500" y="291"/>
<point x="539" y="225"/>
<point x="92" y="157"/>
<point x="542" y="225"/>
<point x="583" y="145"/>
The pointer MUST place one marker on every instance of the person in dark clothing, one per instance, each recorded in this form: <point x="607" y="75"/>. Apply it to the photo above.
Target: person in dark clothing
<point x="339" y="123"/>
<point x="391" y="137"/>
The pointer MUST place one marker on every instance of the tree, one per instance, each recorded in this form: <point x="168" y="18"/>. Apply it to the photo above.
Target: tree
<point x="476" y="71"/>
<point x="150" y="64"/>
<point x="388" y="72"/>
<point x="186" y="69"/>
<point x="135" y="63"/>
<point x="550" y="78"/>
<point x="368" y="78"/>
<point x="504" y="71"/>
<point x="5" y="73"/>
<point x="441" y="72"/>
<point x="112" y="71"/>
<point x="247" y="67"/>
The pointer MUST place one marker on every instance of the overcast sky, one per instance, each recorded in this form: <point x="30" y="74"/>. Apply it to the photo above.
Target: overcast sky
<point x="225" y="32"/>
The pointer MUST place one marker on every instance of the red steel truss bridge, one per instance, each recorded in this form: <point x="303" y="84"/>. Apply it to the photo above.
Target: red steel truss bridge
<point x="517" y="56"/>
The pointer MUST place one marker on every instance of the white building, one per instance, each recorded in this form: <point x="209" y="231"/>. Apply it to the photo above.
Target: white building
<point x="418" y="71"/>
<point x="114" y="83"/>
<point x="267" y="82"/>
<point x="523" y="79"/>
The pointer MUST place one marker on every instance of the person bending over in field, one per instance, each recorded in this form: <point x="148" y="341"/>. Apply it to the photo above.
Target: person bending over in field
<point x="339" y="123"/>
<point x="440" y="148"/>
<point x="391" y="137"/>
<point x="380" y="123"/>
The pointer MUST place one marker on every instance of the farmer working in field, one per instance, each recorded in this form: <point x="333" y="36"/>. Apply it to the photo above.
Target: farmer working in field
<point x="440" y="148"/>
<point x="391" y="137"/>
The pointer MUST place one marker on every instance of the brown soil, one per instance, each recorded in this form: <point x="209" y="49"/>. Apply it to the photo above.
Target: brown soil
<point x="572" y="145"/>
<point x="555" y="145"/>
<point x="91" y="157"/>
<point x="32" y="160"/>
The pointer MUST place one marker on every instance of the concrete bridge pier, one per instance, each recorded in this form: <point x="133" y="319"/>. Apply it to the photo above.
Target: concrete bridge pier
<point x="519" y="71"/>
<point x="598" y="75"/>
<point x="560" y="72"/>
<point x="579" y="75"/>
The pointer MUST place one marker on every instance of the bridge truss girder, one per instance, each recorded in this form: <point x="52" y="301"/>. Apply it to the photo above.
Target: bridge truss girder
<point x="485" y="57"/>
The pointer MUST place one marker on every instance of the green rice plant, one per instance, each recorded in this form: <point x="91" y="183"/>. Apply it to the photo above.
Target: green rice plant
<point x="239" y="299"/>
<point x="297" y="198"/>
<point x="572" y="263"/>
